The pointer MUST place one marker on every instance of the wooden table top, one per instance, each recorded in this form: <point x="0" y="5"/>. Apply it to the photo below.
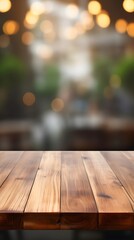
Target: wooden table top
<point x="66" y="190"/>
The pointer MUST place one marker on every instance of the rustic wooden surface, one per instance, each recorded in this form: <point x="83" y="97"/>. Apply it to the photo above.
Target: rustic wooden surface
<point x="67" y="190"/>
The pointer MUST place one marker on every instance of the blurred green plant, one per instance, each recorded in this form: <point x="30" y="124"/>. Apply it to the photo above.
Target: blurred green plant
<point x="102" y="71"/>
<point x="125" y="70"/>
<point x="12" y="71"/>
<point x="49" y="85"/>
<point x="12" y="76"/>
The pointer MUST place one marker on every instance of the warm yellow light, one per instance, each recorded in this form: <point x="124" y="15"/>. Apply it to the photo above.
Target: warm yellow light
<point x="128" y="5"/>
<point x="4" y="41"/>
<point x="28" y="99"/>
<point x="103" y="20"/>
<point x="121" y="25"/>
<point x="27" y="38"/>
<point x="10" y="27"/>
<point x="28" y="25"/>
<point x="57" y="105"/>
<point x="5" y="6"/>
<point x="70" y="33"/>
<point x="37" y="8"/>
<point x="94" y="7"/>
<point x="72" y="11"/>
<point x="130" y="29"/>
<point x="30" y="18"/>
<point x="46" y="26"/>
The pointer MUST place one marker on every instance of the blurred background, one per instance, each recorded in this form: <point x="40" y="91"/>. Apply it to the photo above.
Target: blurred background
<point x="66" y="82"/>
<point x="66" y="74"/>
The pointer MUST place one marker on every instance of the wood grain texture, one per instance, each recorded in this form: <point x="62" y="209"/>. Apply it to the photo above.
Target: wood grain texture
<point x="114" y="207"/>
<point x="15" y="190"/>
<point x="78" y="208"/>
<point x="123" y="167"/>
<point x="8" y="160"/>
<point x="129" y="155"/>
<point x="67" y="190"/>
<point x="45" y="194"/>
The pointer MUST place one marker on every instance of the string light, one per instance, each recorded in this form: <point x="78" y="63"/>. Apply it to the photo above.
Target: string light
<point x="121" y="25"/>
<point x="5" y="6"/>
<point x="130" y="29"/>
<point x="103" y="19"/>
<point x="128" y="5"/>
<point x="94" y="7"/>
<point x="30" y="18"/>
<point x="10" y="27"/>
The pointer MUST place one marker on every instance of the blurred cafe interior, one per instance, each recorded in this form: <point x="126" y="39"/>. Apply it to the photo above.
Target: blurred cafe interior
<point x="66" y="75"/>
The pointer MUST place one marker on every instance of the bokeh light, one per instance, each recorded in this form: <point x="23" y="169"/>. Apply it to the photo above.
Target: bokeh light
<point x="28" y="25"/>
<point x="37" y="8"/>
<point x="128" y="5"/>
<point x="29" y="99"/>
<point x="94" y="7"/>
<point x="68" y="68"/>
<point x="57" y="105"/>
<point x="103" y="19"/>
<point x="10" y="27"/>
<point x="27" y="38"/>
<point x="121" y="25"/>
<point x="130" y="29"/>
<point x="30" y="18"/>
<point x="72" y="11"/>
<point x="4" y="41"/>
<point x="5" y="6"/>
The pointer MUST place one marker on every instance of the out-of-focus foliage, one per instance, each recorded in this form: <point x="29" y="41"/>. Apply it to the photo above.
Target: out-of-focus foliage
<point x="125" y="69"/>
<point x="12" y="71"/>
<point x="102" y="70"/>
<point x="50" y="81"/>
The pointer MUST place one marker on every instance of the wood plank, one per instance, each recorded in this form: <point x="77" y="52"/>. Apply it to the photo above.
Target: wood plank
<point x="129" y="155"/>
<point x="8" y="160"/>
<point x="15" y="190"/>
<point x="78" y="208"/>
<point x="43" y="207"/>
<point x="124" y="170"/>
<point x="115" y="211"/>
